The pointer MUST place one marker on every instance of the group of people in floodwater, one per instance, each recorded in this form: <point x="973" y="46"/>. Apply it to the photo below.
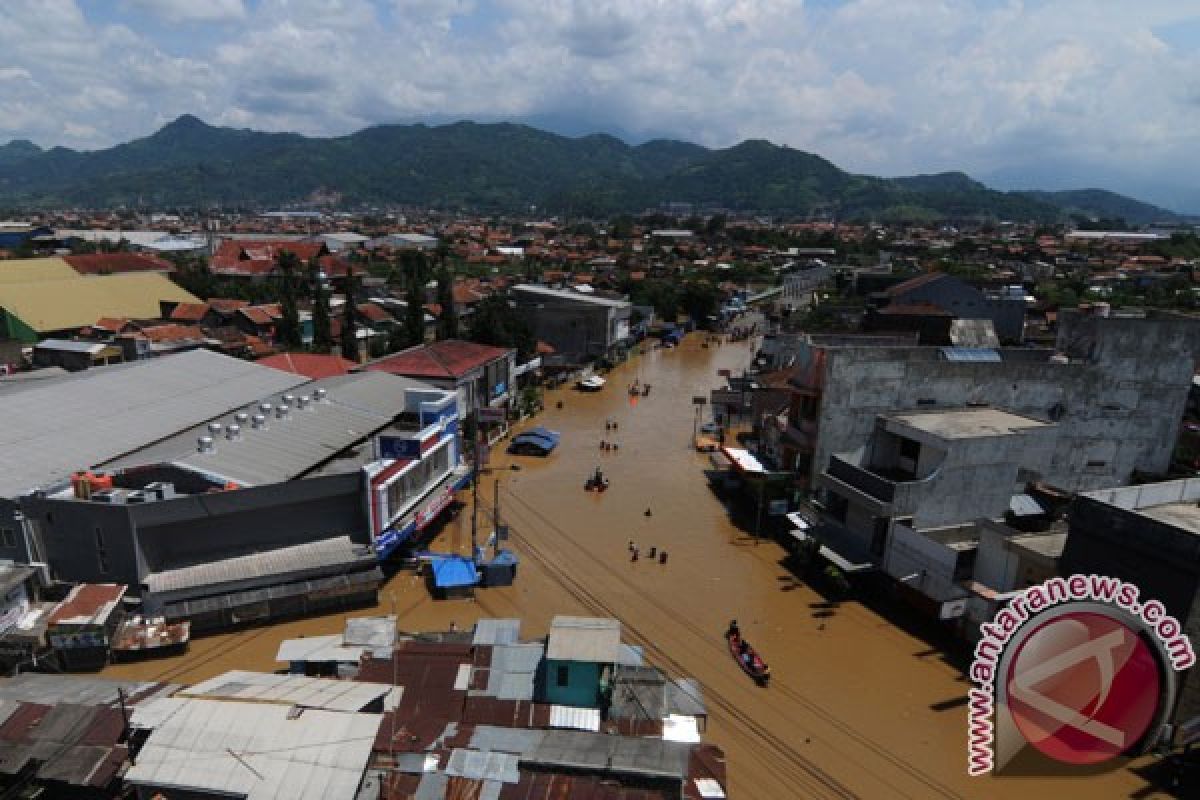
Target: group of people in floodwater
<point x="635" y="552"/>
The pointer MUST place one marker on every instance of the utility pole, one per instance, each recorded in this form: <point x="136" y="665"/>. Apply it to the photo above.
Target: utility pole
<point x="479" y="444"/>
<point x="495" y="517"/>
<point x="125" y="716"/>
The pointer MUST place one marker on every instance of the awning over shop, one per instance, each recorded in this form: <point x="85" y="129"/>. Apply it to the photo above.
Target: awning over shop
<point x="743" y="460"/>
<point x="854" y="563"/>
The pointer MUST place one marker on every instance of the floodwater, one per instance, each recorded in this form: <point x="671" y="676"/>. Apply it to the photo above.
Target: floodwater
<point x="857" y="707"/>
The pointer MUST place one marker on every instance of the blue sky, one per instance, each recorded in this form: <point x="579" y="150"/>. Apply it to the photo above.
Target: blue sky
<point x="1046" y="93"/>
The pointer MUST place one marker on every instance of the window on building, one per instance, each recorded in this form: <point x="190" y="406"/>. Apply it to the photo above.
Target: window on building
<point x="563" y="676"/>
<point x="7" y="537"/>
<point x="879" y="536"/>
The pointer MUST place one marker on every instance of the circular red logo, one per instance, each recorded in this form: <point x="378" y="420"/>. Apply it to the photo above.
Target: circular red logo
<point x="1083" y="687"/>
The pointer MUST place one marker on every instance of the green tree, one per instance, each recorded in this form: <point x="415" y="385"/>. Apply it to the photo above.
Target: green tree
<point x="414" y="313"/>
<point x="289" y="325"/>
<point x="699" y="299"/>
<point x="350" y="320"/>
<point x="497" y="323"/>
<point x="448" y="319"/>
<point x="322" y="327"/>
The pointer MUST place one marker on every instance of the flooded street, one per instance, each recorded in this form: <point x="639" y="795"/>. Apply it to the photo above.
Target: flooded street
<point x="857" y="707"/>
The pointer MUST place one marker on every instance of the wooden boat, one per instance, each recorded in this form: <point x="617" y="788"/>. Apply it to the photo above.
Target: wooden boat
<point x="596" y="483"/>
<point x="139" y="637"/>
<point x="752" y="663"/>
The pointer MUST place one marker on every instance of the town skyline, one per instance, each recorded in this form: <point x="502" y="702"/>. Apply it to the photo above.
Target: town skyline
<point x="1018" y="95"/>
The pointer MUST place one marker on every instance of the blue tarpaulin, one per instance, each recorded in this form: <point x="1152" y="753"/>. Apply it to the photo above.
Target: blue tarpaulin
<point x="539" y="437"/>
<point x="453" y="572"/>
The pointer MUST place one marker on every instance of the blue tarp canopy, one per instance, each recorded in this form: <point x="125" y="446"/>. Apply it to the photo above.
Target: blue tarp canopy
<point x="539" y="437"/>
<point x="453" y="572"/>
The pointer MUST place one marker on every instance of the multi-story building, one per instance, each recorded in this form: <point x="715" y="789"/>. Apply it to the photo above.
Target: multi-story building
<point x="580" y="327"/>
<point x="1147" y="535"/>
<point x="1115" y="387"/>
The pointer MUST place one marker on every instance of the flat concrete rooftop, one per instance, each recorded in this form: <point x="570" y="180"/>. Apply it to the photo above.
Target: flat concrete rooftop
<point x="1046" y="543"/>
<point x="971" y="423"/>
<point x="1185" y="516"/>
<point x="1174" y="503"/>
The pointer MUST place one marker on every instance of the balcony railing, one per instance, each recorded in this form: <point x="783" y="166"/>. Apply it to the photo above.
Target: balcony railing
<point x="865" y="481"/>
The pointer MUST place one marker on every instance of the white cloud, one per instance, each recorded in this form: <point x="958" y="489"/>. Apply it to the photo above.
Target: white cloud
<point x="885" y="86"/>
<point x="176" y="11"/>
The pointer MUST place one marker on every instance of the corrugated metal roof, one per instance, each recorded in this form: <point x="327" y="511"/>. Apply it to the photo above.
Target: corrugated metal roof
<point x="480" y="766"/>
<point x="318" y="648"/>
<point x="1023" y="505"/>
<point x="513" y="671"/>
<point x="71" y="346"/>
<point x="584" y="639"/>
<point x="590" y="751"/>
<point x="580" y="719"/>
<point x="25" y="270"/>
<point x="289" y="690"/>
<point x="59" y="425"/>
<point x="568" y="296"/>
<point x="497" y="631"/>
<point x="355" y="407"/>
<point x="986" y="354"/>
<point x="257" y="751"/>
<point x="67" y="303"/>
<point x="339" y="550"/>
<point x="37" y="687"/>
<point x="372" y="632"/>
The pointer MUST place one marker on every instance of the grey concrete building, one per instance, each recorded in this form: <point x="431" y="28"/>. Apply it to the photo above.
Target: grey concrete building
<point x="255" y="511"/>
<point x="1115" y="387"/>
<point x="1006" y="310"/>
<point x="580" y="327"/>
<point x="261" y="514"/>
<point x="906" y="501"/>
<point x="1150" y="536"/>
<point x="56" y="426"/>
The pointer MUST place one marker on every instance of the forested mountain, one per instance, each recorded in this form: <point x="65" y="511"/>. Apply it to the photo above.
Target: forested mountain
<point x="489" y="167"/>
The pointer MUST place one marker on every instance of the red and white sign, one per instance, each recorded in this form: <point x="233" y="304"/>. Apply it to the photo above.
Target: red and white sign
<point x="427" y="514"/>
<point x="490" y="415"/>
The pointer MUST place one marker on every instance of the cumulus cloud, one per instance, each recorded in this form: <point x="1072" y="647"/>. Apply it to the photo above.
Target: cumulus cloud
<point x="176" y="11"/>
<point x="883" y="86"/>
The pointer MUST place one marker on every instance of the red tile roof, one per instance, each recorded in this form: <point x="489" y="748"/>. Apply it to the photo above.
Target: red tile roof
<point x="452" y="358"/>
<point x="111" y="324"/>
<point x="173" y="333"/>
<point x="87" y="600"/>
<point x="914" y="310"/>
<point x="189" y="312"/>
<point x="262" y="315"/>
<point x="226" y="305"/>
<point x="261" y="256"/>
<point x="258" y="347"/>
<point x="915" y="283"/>
<point x="465" y="295"/>
<point x="310" y="365"/>
<point x="374" y="313"/>
<point x="115" y="263"/>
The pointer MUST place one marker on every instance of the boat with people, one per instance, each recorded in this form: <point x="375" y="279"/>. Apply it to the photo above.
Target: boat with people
<point x="597" y="482"/>
<point x="592" y="383"/>
<point x="746" y="656"/>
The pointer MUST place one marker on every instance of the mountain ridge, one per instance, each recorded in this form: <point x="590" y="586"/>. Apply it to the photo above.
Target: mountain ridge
<point x="502" y="166"/>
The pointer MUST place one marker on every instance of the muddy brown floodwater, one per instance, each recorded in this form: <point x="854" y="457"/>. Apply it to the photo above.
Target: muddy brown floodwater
<point x="857" y="706"/>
